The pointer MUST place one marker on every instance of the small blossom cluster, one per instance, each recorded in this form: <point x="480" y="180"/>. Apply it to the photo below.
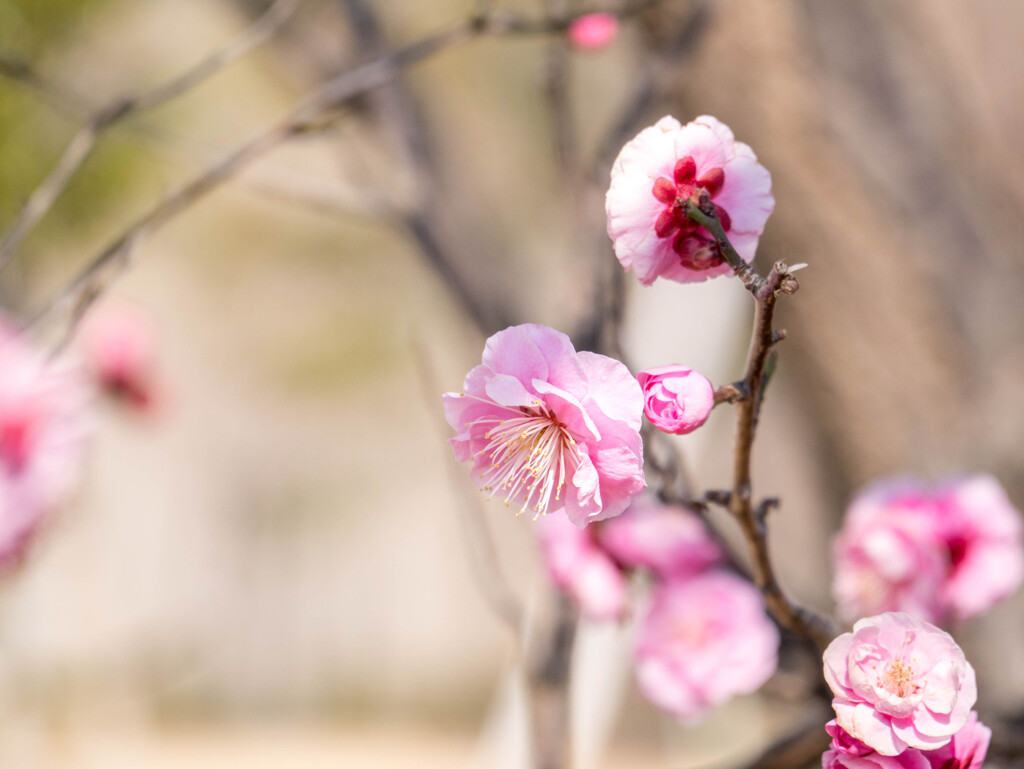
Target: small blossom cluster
<point x="702" y="636"/>
<point x="941" y="553"/>
<point x="903" y="698"/>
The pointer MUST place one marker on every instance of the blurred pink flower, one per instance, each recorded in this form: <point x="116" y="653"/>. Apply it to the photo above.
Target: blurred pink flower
<point x="936" y="553"/>
<point x="981" y="534"/>
<point x="677" y="399"/>
<point x="966" y="750"/>
<point x="593" y="31"/>
<point x="581" y="568"/>
<point x="121" y="353"/>
<point x="703" y="640"/>
<point x="898" y="683"/>
<point x="549" y="428"/>
<point x="43" y="426"/>
<point x="669" y="540"/>
<point x="657" y="172"/>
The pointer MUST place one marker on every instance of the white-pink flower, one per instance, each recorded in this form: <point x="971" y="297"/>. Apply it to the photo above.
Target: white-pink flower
<point x="677" y="399"/>
<point x="43" y="426"/>
<point x="703" y="640"/>
<point x="670" y="540"/>
<point x="899" y="683"/>
<point x="580" y="567"/>
<point x="548" y="428"/>
<point x="949" y="551"/>
<point x="657" y="172"/>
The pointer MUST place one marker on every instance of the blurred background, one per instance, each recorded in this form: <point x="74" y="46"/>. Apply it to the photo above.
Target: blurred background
<point x="274" y="566"/>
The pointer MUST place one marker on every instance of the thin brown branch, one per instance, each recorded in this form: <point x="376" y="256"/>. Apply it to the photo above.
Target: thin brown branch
<point x="548" y="679"/>
<point x="748" y="396"/>
<point x="85" y="139"/>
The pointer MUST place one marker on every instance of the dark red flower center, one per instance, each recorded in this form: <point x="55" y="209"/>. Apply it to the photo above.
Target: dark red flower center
<point x="696" y="248"/>
<point x="15" y="440"/>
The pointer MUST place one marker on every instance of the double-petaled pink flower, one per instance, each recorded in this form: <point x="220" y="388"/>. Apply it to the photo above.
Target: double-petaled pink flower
<point x="654" y="176"/>
<point x="669" y="540"/>
<point x="949" y="551"/>
<point x="43" y="426"/>
<point x="548" y="428"/>
<point x="703" y="640"/>
<point x="899" y="683"/>
<point x="966" y="750"/>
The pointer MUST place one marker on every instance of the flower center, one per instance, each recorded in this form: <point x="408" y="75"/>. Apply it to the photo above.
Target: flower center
<point x="696" y="248"/>
<point x="531" y="456"/>
<point x="898" y="679"/>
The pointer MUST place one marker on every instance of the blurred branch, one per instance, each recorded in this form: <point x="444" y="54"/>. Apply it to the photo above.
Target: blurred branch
<point x="748" y="395"/>
<point x="548" y="673"/>
<point x="83" y="142"/>
<point x="657" y="76"/>
<point x="483" y="556"/>
<point x="81" y="292"/>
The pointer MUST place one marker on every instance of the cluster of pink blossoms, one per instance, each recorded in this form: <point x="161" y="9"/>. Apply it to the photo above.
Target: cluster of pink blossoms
<point x="43" y="426"/>
<point x="945" y="552"/>
<point x="904" y="694"/>
<point x="703" y="636"/>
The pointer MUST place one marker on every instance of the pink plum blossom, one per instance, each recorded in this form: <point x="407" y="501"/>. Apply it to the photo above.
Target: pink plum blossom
<point x="670" y="540"/>
<point x="654" y="175"/>
<point x="966" y="750"/>
<point x="548" y="428"/>
<point x="579" y="566"/>
<point x="677" y="399"/>
<point x="982" y="534"/>
<point x="43" y="426"/>
<point x="703" y="640"/>
<point x="949" y="551"/>
<point x="121" y="353"/>
<point x="899" y="683"/>
<point x="593" y="31"/>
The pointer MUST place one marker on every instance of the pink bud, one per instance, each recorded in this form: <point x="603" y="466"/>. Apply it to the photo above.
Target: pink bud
<point x="593" y="31"/>
<point x="121" y="351"/>
<point x="677" y="399"/>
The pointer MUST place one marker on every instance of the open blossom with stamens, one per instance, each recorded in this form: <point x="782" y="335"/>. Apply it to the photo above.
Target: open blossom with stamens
<point x="703" y="640"/>
<point x="937" y="552"/>
<point x="899" y="683"/>
<point x="43" y="426"/>
<point x="548" y="428"/>
<point x="654" y="176"/>
<point x="579" y="566"/>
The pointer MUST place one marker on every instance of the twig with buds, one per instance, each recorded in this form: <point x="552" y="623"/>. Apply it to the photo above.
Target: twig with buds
<point x="748" y="394"/>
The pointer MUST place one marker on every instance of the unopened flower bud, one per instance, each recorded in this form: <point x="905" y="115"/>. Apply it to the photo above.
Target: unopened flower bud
<point x="677" y="399"/>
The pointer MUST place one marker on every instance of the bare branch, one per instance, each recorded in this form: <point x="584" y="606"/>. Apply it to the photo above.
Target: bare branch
<point x="749" y="395"/>
<point x="83" y="142"/>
